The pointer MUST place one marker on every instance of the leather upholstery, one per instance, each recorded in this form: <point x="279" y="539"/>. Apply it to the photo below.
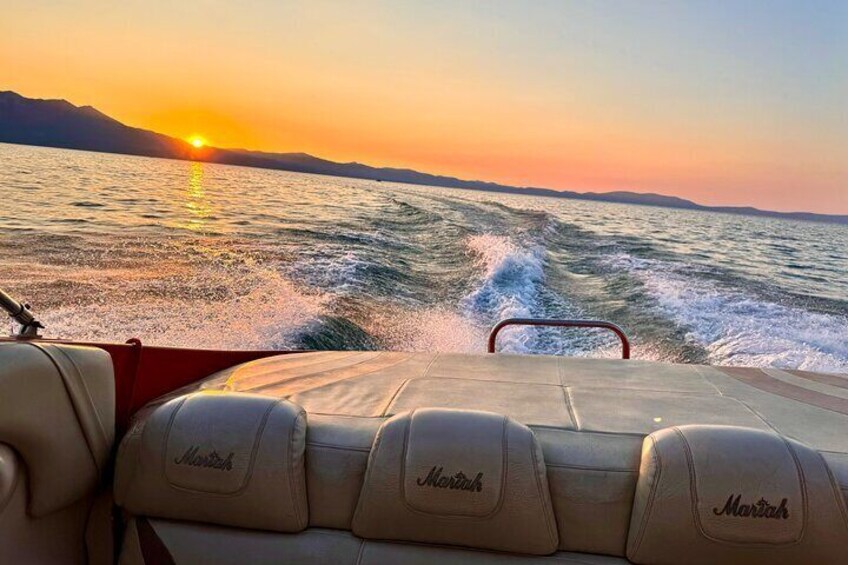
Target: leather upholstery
<point x="57" y="537"/>
<point x="709" y="494"/>
<point x="593" y="458"/>
<point x="412" y="554"/>
<point x="231" y="459"/>
<point x="337" y="449"/>
<point x="592" y="477"/>
<point x="56" y="434"/>
<point x="189" y="543"/>
<point x="57" y="411"/>
<point x="457" y="477"/>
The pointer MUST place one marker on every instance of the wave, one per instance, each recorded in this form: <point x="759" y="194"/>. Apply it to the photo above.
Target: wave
<point x="427" y="329"/>
<point x="270" y="313"/>
<point x="736" y="328"/>
<point x="512" y="277"/>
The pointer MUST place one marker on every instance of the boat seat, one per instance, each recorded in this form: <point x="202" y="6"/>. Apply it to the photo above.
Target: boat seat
<point x="234" y="460"/>
<point x="721" y="494"/>
<point x="57" y="415"/>
<point x="214" y="476"/>
<point x="457" y="477"/>
<point x="222" y="477"/>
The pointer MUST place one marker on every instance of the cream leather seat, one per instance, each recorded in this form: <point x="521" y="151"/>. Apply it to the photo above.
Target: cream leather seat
<point x="57" y="419"/>
<point x="225" y="478"/>
<point x="719" y="494"/>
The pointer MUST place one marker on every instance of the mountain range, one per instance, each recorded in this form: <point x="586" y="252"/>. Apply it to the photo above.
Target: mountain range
<point x="58" y="123"/>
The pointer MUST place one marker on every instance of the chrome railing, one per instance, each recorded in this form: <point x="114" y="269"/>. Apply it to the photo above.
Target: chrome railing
<point x="625" y="343"/>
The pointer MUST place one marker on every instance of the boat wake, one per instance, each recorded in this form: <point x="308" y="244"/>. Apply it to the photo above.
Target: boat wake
<point x="202" y="255"/>
<point x="737" y="328"/>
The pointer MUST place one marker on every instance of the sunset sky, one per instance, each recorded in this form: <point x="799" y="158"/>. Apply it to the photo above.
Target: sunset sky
<point x="736" y="103"/>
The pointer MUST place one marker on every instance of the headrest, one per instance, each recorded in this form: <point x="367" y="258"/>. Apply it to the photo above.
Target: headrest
<point x="224" y="458"/>
<point x="457" y="477"/>
<point x="722" y="494"/>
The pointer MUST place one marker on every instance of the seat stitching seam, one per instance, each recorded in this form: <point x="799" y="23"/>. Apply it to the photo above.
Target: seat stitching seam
<point x="840" y="501"/>
<point x="704" y="378"/>
<point x="649" y="507"/>
<point x="803" y="479"/>
<point x="693" y="488"/>
<point x="340" y="447"/>
<point x="164" y="442"/>
<point x="430" y="364"/>
<point x="547" y="504"/>
<point x="360" y="552"/>
<point x="256" y="441"/>
<point x="393" y="397"/>
<point x="101" y="428"/>
<point x="601" y="433"/>
<point x="589" y="468"/>
<point x="64" y="379"/>
<point x="369" y="470"/>
<point x="300" y="414"/>
<point x="566" y="392"/>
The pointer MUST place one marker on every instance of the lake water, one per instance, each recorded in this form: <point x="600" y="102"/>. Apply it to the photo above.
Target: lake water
<point x="108" y="247"/>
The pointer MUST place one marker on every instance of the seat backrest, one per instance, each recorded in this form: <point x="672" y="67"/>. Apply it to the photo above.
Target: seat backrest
<point x="720" y="494"/>
<point x="230" y="459"/>
<point x="457" y="477"/>
<point x="57" y="420"/>
<point x="591" y="477"/>
<point x="472" y="479"/>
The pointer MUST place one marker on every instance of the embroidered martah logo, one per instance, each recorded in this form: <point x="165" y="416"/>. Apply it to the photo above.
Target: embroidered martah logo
<point x="457" y="482"/>
<point x="760" y="509"/>
<point x="210" y="461"/>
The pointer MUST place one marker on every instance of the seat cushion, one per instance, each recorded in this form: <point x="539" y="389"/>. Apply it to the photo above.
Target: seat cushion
<point x="232" y="459"/>
<point x="709" y="494"/>
<point x="164" y="542"/>
<point x="457" y="477"/>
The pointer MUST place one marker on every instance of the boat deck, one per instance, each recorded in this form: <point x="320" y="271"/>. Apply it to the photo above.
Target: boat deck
<point x="591" y="395"/>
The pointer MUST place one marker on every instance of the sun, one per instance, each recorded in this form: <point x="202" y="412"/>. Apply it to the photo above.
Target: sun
<point x="197" y="141"/>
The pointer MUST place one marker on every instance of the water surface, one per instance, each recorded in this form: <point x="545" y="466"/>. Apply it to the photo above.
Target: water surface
<point x="180" y="253"/>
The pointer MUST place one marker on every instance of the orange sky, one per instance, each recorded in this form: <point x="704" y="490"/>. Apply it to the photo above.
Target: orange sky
<point x="740" y="107"/>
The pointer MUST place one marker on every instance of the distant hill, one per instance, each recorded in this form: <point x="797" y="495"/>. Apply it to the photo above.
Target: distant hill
<point x="58" y="123"/>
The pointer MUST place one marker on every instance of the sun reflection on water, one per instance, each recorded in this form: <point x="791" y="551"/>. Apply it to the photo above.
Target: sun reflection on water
<point x="197" y="203"/>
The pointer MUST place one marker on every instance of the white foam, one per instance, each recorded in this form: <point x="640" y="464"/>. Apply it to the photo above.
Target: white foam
<point x="509" y="288"/>
<point x="737" y="329"/>
<point x="429" y="330"/>
<point x="268" y="315"/>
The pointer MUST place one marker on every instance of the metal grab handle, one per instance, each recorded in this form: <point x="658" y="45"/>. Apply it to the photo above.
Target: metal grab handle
<point x="625" y="343"/>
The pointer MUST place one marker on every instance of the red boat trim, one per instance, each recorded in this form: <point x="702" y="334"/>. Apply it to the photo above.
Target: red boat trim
<point x="830" y="380"/>
<point x="760" y="380"/>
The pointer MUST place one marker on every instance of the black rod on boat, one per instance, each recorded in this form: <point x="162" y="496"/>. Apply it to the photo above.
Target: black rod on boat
<point x="625" y="343"/>
<point x="21" y="314"/>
